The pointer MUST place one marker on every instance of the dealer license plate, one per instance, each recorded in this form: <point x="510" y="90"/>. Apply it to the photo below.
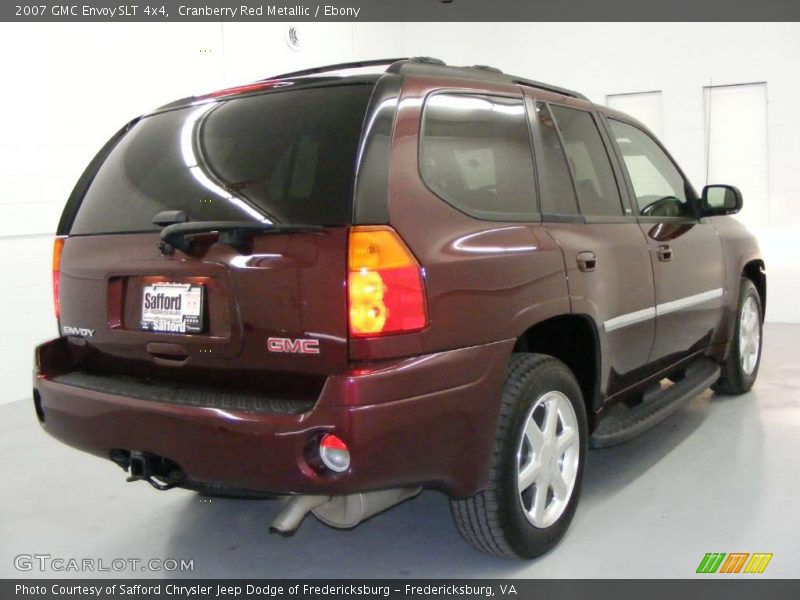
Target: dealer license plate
<point x="172" y="307"/>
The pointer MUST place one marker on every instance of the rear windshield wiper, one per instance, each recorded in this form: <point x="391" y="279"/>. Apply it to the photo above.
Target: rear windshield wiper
<point x="231" y="233"/>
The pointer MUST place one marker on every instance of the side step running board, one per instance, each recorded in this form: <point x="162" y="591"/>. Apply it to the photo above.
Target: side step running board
<point x="623" y="423"/>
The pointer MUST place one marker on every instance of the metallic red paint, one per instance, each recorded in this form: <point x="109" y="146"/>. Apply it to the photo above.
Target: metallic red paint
<point x="426" y="419"/>
<point x="415" y="408"/>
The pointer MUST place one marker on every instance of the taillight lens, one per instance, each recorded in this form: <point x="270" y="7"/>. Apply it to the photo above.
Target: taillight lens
<point x="58" y="246"/>
<point x="384" y="284"/>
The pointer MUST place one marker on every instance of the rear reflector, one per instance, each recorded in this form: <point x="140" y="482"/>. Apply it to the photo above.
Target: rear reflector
<point x="384" y="284"/>
<point x="58" y="246"/>
<point x="334" y="453"/>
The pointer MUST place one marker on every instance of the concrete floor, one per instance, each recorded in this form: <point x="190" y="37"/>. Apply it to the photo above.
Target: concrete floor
<point x="722" y="475"/>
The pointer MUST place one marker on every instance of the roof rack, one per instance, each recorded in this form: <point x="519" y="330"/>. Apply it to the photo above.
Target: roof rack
<point x="396" y="65"/>
<point x="486" y="68"/>
<point x="487" y="71"/>
<point x="415" y="60"/>
<point x="339" y="67"/>
<point x="550" y="88"/>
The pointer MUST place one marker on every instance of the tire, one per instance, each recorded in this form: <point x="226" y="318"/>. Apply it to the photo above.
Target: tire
<point x="501" y="520"/>
<point x="740" y="369"/>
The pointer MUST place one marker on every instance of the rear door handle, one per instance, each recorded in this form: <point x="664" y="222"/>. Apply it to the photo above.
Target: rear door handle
<point x="167" y="354"/>
<point x="587" y="261"/>
<point x="664" y="253"/>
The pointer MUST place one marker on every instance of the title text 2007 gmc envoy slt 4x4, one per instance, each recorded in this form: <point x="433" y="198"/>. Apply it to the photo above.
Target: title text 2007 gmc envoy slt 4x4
<point x="347" y="284"/>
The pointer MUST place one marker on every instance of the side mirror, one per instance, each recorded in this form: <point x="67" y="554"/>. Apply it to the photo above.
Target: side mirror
<point x="721" y="200"/>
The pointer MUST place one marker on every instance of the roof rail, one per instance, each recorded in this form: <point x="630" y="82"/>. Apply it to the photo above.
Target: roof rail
<point x="550" y="88"/>
<point x="487" y="71"/>
<point x="395" y="65"/>
<point x="486" y="68"/>
<point x="415" y="60"/>
<point x="338" y="67"/>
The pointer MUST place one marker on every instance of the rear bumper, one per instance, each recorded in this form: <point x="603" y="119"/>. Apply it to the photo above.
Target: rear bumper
<point x="427" y="421"/>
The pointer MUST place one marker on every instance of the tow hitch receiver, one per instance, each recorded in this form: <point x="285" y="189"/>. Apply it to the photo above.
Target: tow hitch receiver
<point x="160" y="472"/>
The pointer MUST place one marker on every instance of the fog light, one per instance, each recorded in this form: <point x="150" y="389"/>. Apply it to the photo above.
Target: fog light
<point x="334" y="453"/>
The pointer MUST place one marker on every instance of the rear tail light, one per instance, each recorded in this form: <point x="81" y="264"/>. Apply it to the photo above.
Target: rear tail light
<point x="58" y="246"/>
<point x="334" y="453"/>
<point x="384" y="284"/>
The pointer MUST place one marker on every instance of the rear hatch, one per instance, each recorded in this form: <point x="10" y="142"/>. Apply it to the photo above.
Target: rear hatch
<point x="226" y="305"/>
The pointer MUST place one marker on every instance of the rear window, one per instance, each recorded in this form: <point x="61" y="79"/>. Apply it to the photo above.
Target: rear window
<point x="283" y="157"/>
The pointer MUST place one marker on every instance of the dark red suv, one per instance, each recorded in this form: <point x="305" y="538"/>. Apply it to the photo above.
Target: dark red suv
<point x="344" y="287"/>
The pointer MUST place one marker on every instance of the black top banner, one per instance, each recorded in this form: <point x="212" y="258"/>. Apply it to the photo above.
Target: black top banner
<point x="400" y="10"/>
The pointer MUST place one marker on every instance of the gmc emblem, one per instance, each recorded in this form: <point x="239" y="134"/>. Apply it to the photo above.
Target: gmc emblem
<point x="298" y="346"/>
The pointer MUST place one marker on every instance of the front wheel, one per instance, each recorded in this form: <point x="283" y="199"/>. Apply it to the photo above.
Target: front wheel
<point x="537" y="466"/>
<point x="740" y="369"/>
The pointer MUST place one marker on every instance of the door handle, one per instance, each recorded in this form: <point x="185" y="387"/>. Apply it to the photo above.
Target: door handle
<point x="587" y="261"/>
<point x="167" y="354"/>
<point x="664" y="253"/>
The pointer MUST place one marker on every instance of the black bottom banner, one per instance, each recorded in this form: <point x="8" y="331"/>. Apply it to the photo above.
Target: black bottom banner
<point x="546" y="589"/>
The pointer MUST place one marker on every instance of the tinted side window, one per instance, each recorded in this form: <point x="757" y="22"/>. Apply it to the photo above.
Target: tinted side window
<point x="598" y="194"/>
<point x="475" y="153"/>
<point x="659" y="187"/>
<point x="555" y="183"/>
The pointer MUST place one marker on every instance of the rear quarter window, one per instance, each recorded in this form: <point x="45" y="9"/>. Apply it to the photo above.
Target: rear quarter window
<point x="555" y="181"/>
<point x="283" y="157"/>
<point x="598" y="194"/>
<point x="475" y="154"/>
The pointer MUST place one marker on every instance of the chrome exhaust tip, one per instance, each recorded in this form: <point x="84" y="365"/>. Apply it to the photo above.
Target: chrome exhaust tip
<point x="294" y="511"/>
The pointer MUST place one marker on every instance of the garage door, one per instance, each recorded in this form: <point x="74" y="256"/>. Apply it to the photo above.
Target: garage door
<point x="736" y="145"/>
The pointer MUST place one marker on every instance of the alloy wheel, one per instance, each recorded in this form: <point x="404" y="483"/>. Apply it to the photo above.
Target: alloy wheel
<point x="547" y="459"/>
<point x="749" y="335"/>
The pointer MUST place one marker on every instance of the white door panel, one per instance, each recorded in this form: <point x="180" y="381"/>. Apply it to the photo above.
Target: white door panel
<point x="737" y="145"/>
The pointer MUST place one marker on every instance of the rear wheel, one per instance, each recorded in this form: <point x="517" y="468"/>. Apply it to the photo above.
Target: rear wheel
<point x="537" y="466"/>
<point x="740" y="369"/>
